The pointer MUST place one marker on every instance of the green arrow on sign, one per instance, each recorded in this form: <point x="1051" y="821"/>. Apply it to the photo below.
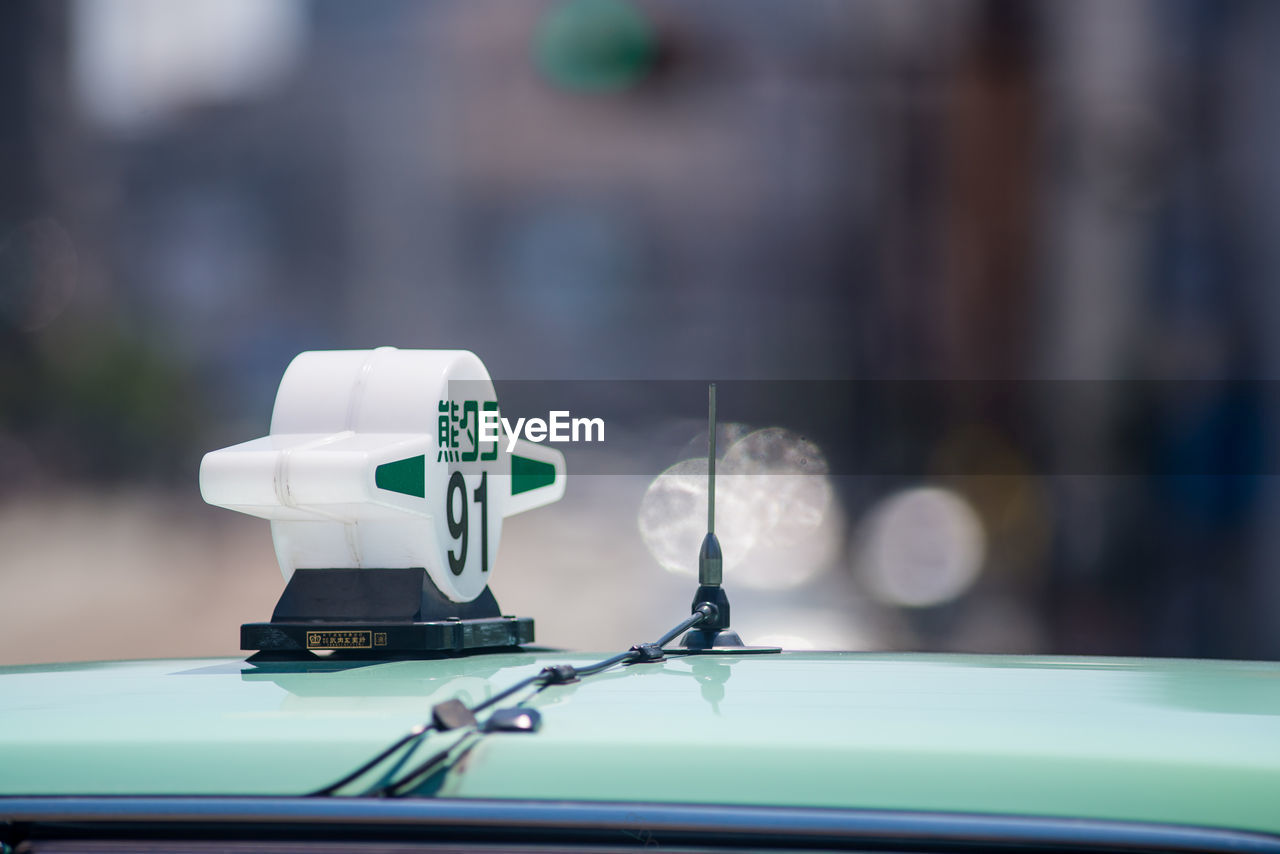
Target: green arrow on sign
<point x="408" y="477"/>
<point x="527" y="474"/>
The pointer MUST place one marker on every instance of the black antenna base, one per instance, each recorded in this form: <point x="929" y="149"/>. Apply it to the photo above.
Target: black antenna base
<point x="713" y="632"/>
<point x="711" y="639"/>
<point x="713" y="595"/>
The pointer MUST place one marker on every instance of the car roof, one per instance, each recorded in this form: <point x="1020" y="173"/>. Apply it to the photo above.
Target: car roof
<point x="1158" y="740"/>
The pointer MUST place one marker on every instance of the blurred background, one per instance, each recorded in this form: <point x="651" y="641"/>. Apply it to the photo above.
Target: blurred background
<point x="1026" y="247"/>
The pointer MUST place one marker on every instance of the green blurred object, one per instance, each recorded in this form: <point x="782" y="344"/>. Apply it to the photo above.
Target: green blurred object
<point x="595" y="45"/>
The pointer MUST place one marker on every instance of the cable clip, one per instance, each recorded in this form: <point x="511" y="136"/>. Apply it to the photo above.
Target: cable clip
<point x="451" y="714"/>
<point x="560" y="674"/>
<point x="647" y="652"/>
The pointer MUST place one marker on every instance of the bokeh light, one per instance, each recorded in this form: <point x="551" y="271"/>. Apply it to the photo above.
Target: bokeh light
<point x="921" y="547"/>
<point x="773" y="499"/>
<point x="856" y="623"/>
<point x="791" y="643"/>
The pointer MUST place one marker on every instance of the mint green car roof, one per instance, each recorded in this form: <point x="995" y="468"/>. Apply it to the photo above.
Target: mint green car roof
<point x="1171" y="741"/>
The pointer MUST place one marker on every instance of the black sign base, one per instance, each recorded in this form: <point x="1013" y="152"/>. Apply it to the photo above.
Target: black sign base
<point x="380" y="611"/>
<point x="439" y="636"/>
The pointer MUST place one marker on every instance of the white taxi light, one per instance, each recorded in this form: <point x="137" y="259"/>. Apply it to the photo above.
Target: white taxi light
<point x="375" y="460"/>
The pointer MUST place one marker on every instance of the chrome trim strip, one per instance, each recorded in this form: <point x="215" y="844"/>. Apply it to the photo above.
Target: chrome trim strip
<point x="640" y="824"/>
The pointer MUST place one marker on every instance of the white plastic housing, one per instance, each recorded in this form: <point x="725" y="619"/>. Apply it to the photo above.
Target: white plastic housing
<point x="340" y="479"/>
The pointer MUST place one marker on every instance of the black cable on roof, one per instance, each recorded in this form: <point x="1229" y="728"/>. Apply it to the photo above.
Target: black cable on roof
<point x="457" y="718"/>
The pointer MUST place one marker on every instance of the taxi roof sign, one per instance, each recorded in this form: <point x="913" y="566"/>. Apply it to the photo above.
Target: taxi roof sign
<point x="376" y="461"/>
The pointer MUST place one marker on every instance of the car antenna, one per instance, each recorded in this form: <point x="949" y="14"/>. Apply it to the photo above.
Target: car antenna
<point x="713" y="635"/>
